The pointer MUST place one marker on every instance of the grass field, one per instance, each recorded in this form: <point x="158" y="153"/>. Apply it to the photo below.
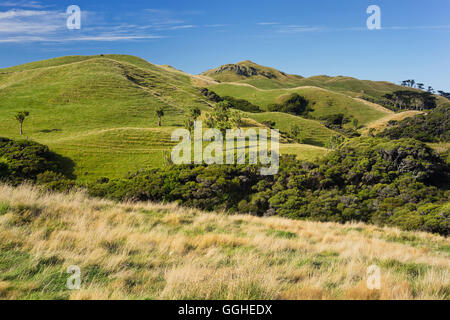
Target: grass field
<point x="314" y="132"/>
<point x="323" y="102"/>
<point x="151" y="251"/>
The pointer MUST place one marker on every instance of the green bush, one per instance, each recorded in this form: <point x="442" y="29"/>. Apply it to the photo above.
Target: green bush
<point x="401" y="183"/>
<point x="24" y="160"/>
<point x="293" y="104"/>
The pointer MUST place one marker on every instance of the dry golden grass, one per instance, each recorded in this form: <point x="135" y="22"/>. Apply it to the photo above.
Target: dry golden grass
<point x="154" y="251"/>
<point x="381" y="124"/>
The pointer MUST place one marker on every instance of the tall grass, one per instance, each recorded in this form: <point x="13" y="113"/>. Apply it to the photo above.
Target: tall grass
<point x="154" y="251"/>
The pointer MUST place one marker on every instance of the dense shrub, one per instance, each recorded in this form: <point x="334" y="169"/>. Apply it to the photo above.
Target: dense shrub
<point x="243" y="105"/>
<point x="401" y="183"/>
<point x="432" y="127"/>
<point x="24" y="160"/>
<point x="294" y="104"/>
<point x="238" y="104"/>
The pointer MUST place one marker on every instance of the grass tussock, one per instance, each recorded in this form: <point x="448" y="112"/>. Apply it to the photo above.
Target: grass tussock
<point x="154" y="251"/>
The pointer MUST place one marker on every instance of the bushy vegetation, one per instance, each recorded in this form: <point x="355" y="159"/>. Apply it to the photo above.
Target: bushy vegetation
<point x="410" y="100"/>
<point x="239" y="104"/>
<point x="337" y="121"/>
<point x="293" y="104"/>
<point x="28" y="161"/>
<point x="432" y="127"/>
<point x="401" y="183"/>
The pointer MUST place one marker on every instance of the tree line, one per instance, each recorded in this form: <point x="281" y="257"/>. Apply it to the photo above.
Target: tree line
<point x="411" y="83"/>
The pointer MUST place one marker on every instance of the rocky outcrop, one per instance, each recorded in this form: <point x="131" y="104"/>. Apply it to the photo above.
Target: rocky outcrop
<point x="244" y="71"/>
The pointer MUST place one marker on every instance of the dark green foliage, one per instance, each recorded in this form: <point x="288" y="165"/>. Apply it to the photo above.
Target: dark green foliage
<point x="294" y="104"/>
<point x="337" y="121"/>
<point x="238" y="104"/>
<point x="206" y="187"/>
<point x="270" y="124"/>
<point x="211" y="95"/>
<point x="243" y="105"/>
<point x="433" y="127"/>
<point x="373" y="180"/>
<point x="410" y="100"/>
<point x="25" y="160"/>
<point x="332" y="120"/>
<point x="54" y="181"/>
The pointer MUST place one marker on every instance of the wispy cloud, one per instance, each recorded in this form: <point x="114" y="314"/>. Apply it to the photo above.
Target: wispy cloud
<point x="23" y="4"/>
<point x="21" y="25"/>
<point x="298" y="29"/>
<point x="20" y="22"/>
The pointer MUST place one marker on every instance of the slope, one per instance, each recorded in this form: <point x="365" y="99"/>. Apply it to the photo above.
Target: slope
<point x="74" y="101"/>
<point x="154" y="251"/>
<point x="324" y="102"/>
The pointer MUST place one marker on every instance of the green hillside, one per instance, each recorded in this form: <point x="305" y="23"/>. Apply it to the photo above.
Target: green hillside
<point x="268" y="78"/>
<point x="323" y="102"/>
<point x="100" y="111"/>
<point x="314" y="133"/>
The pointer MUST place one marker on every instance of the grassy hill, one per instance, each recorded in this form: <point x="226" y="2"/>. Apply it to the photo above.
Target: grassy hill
<point x="314" y="133"/>
<point x="100" y="110"/>
<point x="152" y="251"/>
<point x="250" y="72"/>
<point x="324" y="102"/>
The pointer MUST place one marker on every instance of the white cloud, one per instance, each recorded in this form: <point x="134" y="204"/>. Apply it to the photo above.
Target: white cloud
<point x="23" y="4"/>
<point x="298" y="29"/>
<point x="20" y="25"/>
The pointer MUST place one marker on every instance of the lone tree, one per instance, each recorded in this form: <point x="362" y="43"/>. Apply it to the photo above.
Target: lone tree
<point x="21" y="116"/>
<point x="195" y="113"/>
<point x="160" y="114"/>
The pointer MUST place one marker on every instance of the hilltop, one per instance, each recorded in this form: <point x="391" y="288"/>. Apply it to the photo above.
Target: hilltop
<point x="248" y="70"/>
<point x="155" y="251"/>
<point x="264" y="85"/>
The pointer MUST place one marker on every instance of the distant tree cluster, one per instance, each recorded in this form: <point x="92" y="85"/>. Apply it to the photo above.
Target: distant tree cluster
<point x="411" y="100"/>
<point x="223" y="118"/>
<point x="413" y="84"/>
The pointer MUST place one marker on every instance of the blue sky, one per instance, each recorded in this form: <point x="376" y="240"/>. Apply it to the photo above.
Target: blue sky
<point x="296" y="36"/>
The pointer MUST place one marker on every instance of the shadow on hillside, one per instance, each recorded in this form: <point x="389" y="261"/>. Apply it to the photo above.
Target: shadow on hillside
<point x="50" y="130"/>
<point x="67" y="166"/>
<point x="313" y="142"/>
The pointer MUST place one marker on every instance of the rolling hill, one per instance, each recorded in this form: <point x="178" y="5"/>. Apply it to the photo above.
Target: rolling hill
<point x="327" y="95"/>
<point x="100" y="110"/>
